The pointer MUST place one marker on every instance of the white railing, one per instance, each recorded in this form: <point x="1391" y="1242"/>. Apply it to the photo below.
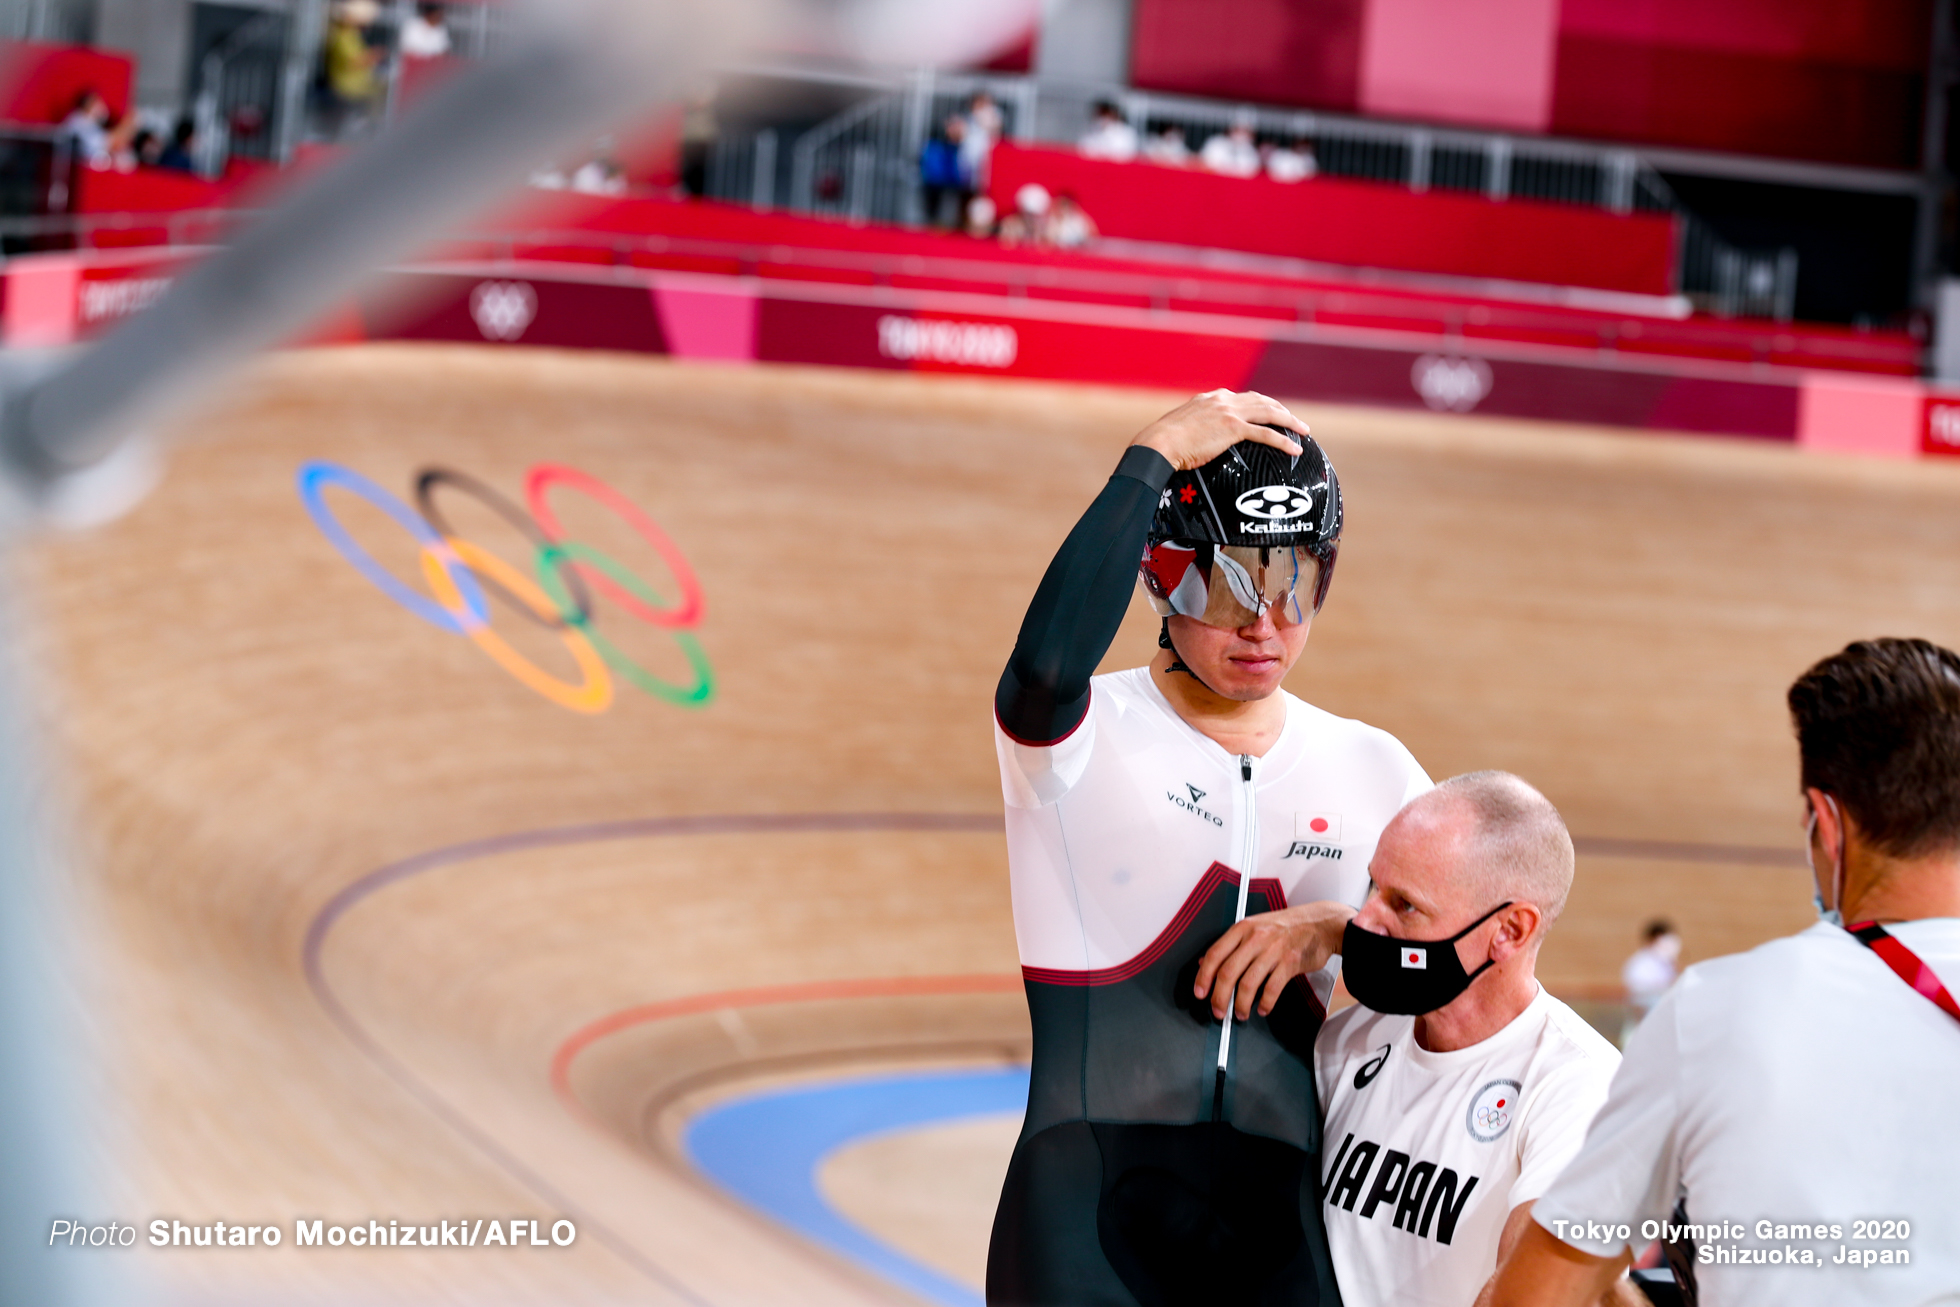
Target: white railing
<point x="863" y="164"/>
<point x="242" y="74"/>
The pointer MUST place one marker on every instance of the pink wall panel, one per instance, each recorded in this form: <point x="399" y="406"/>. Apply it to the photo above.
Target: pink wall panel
<point x="706" y="317"/>
<point x="1489" y="64"/>
<point x="1876" y="416"/>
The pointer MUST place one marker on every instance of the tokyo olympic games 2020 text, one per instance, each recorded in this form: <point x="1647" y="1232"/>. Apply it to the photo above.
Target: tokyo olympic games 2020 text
<point x="462" y="575"/>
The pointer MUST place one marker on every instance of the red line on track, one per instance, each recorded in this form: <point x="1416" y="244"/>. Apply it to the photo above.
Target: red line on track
<point x="763" y="996"/>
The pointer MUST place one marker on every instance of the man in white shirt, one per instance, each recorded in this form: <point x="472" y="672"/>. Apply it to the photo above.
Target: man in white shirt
<point x="1793" y="1107"/>
<point x="1109" y="137"/>
<point x="425" y="33"/>
<point x="1232" y="152"/>
<point x="1457" y="1089"/>
<point x="1648" y="974"/>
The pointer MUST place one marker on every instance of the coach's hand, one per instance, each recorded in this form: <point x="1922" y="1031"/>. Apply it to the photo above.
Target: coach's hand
<point x="1205" y="426"/>
<point x="1258" y="956"/>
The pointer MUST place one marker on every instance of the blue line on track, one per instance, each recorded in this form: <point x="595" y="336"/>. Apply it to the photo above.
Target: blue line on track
<point x="767" y="1148"/>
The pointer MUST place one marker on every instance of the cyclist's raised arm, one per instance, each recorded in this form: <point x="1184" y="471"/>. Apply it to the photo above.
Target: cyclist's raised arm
<point x="1044" y="690"/>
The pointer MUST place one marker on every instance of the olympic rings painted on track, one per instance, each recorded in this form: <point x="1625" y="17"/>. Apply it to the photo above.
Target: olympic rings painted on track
<point x="315" y="477"/>
<point x="425" y="500"/>
<point x="461" y="575"/>
<point x="549" y="572"/>
<point x="540" y="479"/>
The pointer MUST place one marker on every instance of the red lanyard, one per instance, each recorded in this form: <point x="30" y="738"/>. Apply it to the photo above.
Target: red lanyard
<point x="1906" y="963"/>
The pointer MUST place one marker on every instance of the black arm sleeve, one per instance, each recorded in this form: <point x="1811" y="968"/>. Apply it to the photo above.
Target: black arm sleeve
<point x="1044" y="693"/>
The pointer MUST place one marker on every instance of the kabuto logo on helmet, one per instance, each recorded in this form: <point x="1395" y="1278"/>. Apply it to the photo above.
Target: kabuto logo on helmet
<point x="1288" y="506"/>
<point x="1275" y="503"/>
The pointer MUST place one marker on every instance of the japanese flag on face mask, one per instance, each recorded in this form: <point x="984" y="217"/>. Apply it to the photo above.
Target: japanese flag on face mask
<point x="1396" y="976"/>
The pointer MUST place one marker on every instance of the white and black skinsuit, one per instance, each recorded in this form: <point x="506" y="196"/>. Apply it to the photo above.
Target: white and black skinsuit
<point x="1142" y="1177"/>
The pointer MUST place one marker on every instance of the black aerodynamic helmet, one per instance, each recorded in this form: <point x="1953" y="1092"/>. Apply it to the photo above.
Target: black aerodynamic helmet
<point x="1246" y="531"/>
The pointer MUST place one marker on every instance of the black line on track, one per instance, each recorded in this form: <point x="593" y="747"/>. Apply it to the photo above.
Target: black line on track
<point x="595" y="832"/>
<point x="338" y="906"/>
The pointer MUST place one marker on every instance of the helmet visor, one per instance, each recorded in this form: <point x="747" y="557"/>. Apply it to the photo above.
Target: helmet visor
<point x="1230" y="585"/>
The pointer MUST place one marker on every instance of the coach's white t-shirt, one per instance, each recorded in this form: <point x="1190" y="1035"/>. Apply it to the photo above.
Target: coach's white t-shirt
<point x="1427" y="1153"/>
<point x="1800" y="1084"/>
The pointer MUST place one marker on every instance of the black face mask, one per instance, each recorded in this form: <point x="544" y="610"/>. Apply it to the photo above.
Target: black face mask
<point x="1407" y="977"/>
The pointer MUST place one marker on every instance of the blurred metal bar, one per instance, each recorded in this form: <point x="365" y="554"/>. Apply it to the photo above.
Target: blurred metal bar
<point x="42" y="1115"/>
<point x="579" y="67"/>
<point x="473" y="141"/>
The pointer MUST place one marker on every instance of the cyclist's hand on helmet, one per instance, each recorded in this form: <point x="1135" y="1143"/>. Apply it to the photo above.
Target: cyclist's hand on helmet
<point x="1205" y="426"/>
<point x="1264" y="952"/>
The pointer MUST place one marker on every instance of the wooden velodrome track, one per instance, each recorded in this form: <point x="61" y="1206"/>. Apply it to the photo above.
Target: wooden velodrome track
<point x="380" y="933"/>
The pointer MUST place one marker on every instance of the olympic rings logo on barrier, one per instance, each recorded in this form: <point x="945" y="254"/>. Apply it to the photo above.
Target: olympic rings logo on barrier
<point x="462" y="576"/>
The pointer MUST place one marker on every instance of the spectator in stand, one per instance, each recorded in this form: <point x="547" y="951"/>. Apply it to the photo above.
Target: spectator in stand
<point x="1292" y="161"/>
<point x="87" y="125"/>
<point x="1031" y="205"/>
<point x="943" y="183"/>
<point x="180" y="154"/>
<point x="1168" y="147"/>
<point x="980" y="215"/>
<point x="1069" y="228"/>
<point x="426" y="33"/>
<point x="983" y="128"/>
<point x="699" y="129"/>
<point x="601" y="174"/>
<point x="147" y="147"/>
<point x="351" y="85"/>
<point x="1232" y="152"/>
<point x="1649" y="973"/>
<point x="122" y="143"/>
<point x="1109" y="137"/>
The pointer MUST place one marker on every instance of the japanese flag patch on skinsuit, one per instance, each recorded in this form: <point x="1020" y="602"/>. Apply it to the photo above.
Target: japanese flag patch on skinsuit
<point x="1324" y="827"/>
<point x="1415" y="959"/>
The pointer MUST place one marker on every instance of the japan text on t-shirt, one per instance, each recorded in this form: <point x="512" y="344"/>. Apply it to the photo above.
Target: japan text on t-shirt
<point x="1427" y="1153"/>
<point x="1799" y="1101"/>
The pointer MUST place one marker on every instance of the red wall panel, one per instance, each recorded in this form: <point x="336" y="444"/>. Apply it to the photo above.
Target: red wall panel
<point x="1304" y="52"/>
<point x="39" y="83"/>
<point x="1870" y="33"/>
<point x="1805" y="79"/>
<point x="1361" y="224"/>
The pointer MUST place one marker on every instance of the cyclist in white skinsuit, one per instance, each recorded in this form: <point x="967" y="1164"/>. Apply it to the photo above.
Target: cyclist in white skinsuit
<point x="1169" y="1157"/>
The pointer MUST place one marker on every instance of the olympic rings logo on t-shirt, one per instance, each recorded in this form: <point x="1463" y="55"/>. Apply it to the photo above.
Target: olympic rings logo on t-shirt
<point x="462" y="576"/>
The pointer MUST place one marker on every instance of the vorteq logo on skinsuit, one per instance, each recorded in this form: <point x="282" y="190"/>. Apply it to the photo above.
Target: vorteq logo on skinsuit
<point x="1190" y="805"/>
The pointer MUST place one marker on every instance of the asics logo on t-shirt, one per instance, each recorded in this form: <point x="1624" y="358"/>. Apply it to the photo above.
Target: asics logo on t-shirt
<point x="1371" y="1067"/>
<point x="1191" y="804"/>
<point x="1423" y="1198"/>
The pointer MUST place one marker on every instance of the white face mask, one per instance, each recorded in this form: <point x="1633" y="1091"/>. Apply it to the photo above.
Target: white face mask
<point x="1832" y="916"/>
